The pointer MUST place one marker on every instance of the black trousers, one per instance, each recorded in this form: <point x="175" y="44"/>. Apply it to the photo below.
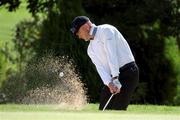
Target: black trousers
<point x="129" y="78"/>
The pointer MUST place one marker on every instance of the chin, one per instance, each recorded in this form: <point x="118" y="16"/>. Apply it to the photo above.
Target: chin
<point x="86" y="40"/>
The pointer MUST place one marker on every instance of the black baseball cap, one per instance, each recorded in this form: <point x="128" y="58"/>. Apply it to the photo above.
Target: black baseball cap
<point x="77" y="23"/>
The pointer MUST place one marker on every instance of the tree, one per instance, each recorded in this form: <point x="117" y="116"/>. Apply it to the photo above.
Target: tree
<point x="145" y="24"/>
<point x="10" y="4"/>
<point x="148" y="25"/>
<point x="58" y="38"/>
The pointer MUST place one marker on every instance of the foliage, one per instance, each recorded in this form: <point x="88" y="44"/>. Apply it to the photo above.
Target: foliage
<point x="13" y="88"/>
<point x="26" y="41"/>
<point x="37" y="6"/>
<point x="58" y="38"/>
<point x="173" y="53"/>
<point x="151" y="27"/>
<point x="10" y="4"/>
<point x="3" y="66"/>
<point x="6" y="61"/>
<point x="145" y="24"/>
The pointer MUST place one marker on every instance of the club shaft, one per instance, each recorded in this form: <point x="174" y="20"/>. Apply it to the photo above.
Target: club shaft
<point x="108" y="102"/>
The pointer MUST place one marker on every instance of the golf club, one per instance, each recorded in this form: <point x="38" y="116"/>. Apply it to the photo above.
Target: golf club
<point x="108" y="102"/>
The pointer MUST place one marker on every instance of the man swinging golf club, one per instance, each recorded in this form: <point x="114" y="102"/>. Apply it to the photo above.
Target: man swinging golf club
<point x="114" y="61"/>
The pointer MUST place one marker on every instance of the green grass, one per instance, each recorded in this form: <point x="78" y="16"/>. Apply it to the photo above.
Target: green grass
<point x="8" y="21"/>
<point x="89" y="112"/>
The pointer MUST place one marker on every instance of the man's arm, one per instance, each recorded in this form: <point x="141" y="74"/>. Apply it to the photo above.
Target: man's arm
<point x="103" y="73"/>
<point x="110" y="45"/>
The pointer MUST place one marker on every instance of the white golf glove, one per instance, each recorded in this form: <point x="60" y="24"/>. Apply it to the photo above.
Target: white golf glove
<point x="117" y="83"/>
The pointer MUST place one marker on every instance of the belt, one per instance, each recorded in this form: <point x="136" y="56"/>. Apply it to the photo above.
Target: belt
<point x="126" y="66"/>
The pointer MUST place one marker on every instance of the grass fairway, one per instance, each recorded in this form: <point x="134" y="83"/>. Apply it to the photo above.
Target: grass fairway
<point x="90" y="112"/>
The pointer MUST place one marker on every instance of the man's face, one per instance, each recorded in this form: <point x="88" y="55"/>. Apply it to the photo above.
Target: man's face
<point x="83" y="32"/>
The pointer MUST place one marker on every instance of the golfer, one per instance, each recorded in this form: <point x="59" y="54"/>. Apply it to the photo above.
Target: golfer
<point x="114" y="61"/>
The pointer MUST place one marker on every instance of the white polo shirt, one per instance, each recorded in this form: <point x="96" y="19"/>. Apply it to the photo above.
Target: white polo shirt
<point x="108" y="51"/>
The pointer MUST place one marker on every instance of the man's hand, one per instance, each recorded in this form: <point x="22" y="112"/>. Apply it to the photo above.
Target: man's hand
<point x="114" y="86"/>
<point x="117" y="84"/>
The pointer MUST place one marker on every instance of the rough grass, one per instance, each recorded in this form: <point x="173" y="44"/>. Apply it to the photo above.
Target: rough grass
<point x="89" y="112"/>
<point x="8" y="21"/>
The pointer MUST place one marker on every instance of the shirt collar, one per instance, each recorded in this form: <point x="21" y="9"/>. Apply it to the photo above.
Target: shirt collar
<point x="93" y="30"/>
